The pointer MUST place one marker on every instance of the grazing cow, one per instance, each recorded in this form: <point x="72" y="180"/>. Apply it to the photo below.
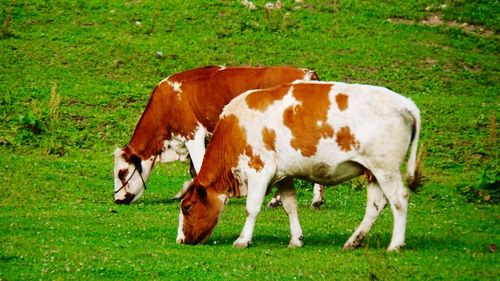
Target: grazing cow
<point x="324" y="132"/>
<point x="181" y="113"/>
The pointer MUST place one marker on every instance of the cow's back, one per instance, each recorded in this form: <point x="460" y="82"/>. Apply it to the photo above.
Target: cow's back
<point x="208" y="91"/>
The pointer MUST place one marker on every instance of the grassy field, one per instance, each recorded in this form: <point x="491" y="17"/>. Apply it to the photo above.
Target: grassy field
<point x="76" y="75"/>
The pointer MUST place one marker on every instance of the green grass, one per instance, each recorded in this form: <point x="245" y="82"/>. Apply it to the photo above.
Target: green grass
<point x="57" y="218"/>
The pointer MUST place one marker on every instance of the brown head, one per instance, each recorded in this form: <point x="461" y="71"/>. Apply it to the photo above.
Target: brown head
<point x="200" y="211"/>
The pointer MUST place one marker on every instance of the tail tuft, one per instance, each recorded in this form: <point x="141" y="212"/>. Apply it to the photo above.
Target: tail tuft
<point x="314" y="75"/>
<point x="416" y="181"/>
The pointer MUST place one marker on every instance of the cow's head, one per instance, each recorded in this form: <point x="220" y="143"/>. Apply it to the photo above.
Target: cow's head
<point x="131" y="174"/>
<point x="199" y="214"/>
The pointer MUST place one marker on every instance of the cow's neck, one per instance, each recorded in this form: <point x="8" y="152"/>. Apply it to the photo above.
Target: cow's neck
<point x="152" y="129"/>
<point x="221" y="181"/>
<point x="221" y="157"/>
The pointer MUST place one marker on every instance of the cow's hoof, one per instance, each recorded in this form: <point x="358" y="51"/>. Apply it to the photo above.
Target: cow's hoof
<point x="396" y="249"/>
<point x="241" y="243"/>
<point x="316" y="205"/>
<point x="274" y="203"/>
<point x="349" y="246"/>
<point x="296" y="243"/>
<point x="352" y="245"/>
<point x="355" y="241"/>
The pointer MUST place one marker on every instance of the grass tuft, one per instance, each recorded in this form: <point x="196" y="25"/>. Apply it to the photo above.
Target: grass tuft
<point x="53" y="120"/>
<point x="6" y="23"/>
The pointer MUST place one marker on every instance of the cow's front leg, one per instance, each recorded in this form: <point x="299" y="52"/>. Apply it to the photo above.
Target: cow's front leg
<point x="286" y="190"/>
<point x="255" y="198"/>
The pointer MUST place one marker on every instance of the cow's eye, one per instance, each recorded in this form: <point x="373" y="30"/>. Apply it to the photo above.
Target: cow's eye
<point x="186" y="209"/>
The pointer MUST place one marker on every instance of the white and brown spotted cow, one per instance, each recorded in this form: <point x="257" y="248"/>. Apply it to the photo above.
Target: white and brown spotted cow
<point x="181" y="113"/>
<point x="325" y="132"/>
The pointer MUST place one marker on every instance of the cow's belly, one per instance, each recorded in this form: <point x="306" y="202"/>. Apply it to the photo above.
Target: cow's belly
<point x="326" y="173"/>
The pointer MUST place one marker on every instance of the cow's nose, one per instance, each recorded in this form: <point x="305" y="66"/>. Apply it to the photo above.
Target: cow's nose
<point x="126" y="200"/>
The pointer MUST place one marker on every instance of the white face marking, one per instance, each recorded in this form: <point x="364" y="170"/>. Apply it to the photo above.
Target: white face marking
<point x="180" y="233"/>
<point x="134" y="185"/>
<point x="121" y="167"/>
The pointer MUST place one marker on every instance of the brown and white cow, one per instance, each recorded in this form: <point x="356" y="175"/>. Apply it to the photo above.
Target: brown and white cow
<point x="181" y="113"/>
<point x="325" y="132"/>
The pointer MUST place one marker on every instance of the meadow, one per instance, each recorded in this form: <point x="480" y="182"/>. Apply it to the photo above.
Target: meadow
<point x="76" y="75"/>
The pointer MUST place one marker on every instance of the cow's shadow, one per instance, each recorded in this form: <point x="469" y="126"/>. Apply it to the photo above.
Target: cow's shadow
<point x="172" y="200"/>
<point x="336" y="240"/>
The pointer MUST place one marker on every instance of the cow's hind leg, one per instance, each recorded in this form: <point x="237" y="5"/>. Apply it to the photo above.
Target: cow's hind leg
<point x="286" y="190"/>
<point x="394" y="190"/>
<point x="374" y="205"/>
<point x="318" y="198"/>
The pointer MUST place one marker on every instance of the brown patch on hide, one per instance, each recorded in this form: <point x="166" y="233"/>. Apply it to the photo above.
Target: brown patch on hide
<point x="255" y="161"/>
<point x="261" y="100"/>
<point x="308" y="120"/>
<point x="345" y="140"/>
<point x="269" y="138"/>
<point x="341" y="100"/>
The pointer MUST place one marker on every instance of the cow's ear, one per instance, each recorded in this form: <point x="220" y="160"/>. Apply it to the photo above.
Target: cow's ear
<point x="118" y="151"/>
<point x="184" y="190"/>
<point x="201" y="191"/>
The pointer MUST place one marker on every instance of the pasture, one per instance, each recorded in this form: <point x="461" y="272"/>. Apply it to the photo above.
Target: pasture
<point x="76" y="75"/>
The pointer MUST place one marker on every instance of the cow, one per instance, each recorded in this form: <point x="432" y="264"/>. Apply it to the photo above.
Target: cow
<point x="326" y="132"/>
<point x="180" y="116"/>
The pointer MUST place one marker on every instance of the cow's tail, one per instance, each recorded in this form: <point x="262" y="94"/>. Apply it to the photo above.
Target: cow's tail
<point x="310" y="75"/>
<point x="414" y="176"/>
